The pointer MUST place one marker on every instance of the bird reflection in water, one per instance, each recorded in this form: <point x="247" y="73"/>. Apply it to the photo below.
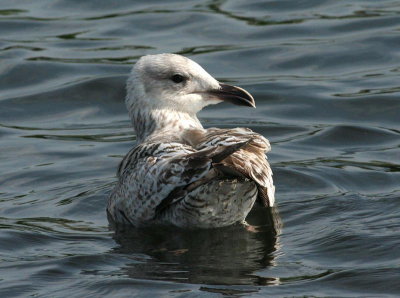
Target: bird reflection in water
<point x="222" y="256"/>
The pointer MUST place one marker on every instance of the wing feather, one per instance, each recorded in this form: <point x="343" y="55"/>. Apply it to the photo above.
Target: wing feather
<point x="155" y="176"/>
<point x="148" y="173"/>
<point x="249" y="161"/>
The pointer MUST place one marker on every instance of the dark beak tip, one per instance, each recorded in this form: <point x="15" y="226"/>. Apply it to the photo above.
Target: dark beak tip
<point x="249" y="103"/>
<point x="235" y="95"/>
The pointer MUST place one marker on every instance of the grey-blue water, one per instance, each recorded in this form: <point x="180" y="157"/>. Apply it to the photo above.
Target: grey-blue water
<point x="326" y="78"/>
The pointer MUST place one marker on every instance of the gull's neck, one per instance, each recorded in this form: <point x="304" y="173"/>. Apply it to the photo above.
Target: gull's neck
<point x="162" y="124"/>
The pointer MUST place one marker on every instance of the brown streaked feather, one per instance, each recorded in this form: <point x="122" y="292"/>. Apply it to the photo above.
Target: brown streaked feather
<point x="249" y="161"/>
<point x="158" y="176"/>
<point x="263" y="196"/>
<point x="213" y="155"/>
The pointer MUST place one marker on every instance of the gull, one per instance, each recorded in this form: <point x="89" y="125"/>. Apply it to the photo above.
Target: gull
<point x="180" y="173"/>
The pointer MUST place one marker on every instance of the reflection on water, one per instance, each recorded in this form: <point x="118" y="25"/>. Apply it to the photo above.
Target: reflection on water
<point x="227" y="256"/>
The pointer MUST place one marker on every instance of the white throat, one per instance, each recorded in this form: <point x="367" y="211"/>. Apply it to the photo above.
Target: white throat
<point x="161" y="123"/>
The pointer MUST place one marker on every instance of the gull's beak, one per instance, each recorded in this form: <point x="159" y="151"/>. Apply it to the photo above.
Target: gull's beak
<point x="233" y="94"/>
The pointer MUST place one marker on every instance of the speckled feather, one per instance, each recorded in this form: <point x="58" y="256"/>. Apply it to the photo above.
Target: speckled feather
<point x="250" y="161"/>
<point x="158" y="179"/>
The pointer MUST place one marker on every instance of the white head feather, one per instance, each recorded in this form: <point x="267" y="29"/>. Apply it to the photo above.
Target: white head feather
<point x="151" y="84"/>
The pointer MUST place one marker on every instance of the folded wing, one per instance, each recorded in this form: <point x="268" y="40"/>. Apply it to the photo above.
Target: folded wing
<point x="154" y="176"/>
<point x="249" y="161"/>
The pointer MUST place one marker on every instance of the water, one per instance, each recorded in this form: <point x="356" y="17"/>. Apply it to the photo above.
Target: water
<point x="325" y="75"/>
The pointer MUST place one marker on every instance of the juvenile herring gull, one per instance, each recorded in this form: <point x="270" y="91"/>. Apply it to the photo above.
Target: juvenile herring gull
<point x="179" y="173"/>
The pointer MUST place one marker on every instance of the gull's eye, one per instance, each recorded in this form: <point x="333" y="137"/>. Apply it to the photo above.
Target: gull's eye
<point x="177" y="78"/>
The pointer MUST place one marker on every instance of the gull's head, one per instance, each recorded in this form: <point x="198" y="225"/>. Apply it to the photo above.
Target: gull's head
<point x="169" y="81"/>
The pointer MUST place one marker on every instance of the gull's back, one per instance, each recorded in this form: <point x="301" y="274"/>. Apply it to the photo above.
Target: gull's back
<point x="209" y="178"/>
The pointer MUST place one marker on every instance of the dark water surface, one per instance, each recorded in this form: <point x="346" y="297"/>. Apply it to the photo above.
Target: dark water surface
<point x="326" y="78"/>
